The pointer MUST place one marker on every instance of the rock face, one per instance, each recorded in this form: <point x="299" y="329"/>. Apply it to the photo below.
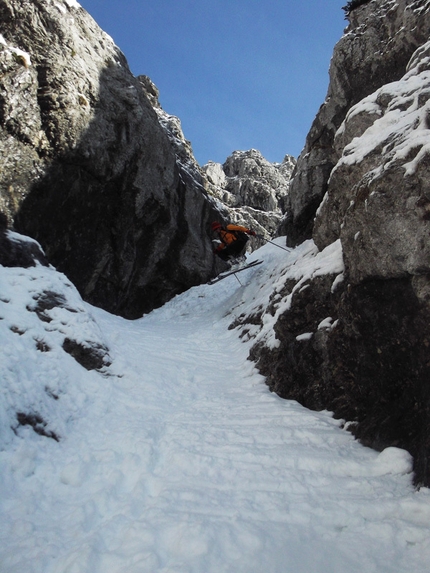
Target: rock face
<point x="247" y="189"/>
<point x="383" y="169"/>
<point x="375" y="50"/>
<point x="253" y="189"/>
<point x="18" y="251"/>
<point x="86" y="167"/>
<point x="368" y="155"/>
<point x="190" y="171"/>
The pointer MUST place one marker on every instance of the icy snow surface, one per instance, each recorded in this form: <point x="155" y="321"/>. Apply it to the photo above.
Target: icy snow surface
<point x="177" y="458"/>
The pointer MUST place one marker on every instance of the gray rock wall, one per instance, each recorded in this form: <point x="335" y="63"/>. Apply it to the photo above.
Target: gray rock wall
<point x="378" y="199"/>
<point x="253" y="190"/>
<point x="86" y="167"/>
<point x="375" y="50"/>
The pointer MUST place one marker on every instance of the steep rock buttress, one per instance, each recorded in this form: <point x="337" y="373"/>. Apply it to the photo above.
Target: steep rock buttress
<point x="86" y="167"/>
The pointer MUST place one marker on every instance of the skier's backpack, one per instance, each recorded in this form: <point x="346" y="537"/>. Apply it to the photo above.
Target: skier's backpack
<point x="240" y="236"/>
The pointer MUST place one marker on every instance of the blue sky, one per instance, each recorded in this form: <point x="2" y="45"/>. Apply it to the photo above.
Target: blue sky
<point x="239" y="74"/>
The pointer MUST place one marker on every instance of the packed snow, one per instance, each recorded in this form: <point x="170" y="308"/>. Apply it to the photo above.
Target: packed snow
<point x="174" y="457"/>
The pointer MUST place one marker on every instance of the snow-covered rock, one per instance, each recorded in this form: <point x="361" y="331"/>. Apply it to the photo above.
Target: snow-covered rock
<point x="375" y="50"/>
<point x="17" y="250"/>
<point x="378" y="194"/>
<point x="44" y="324"/>
<point x="253" y="189"/>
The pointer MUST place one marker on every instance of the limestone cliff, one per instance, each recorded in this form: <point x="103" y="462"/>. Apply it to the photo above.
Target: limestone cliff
<point x="253" y="189"/>
<point x="375" y="50"/>
<point x="86" y="167"/>
<point x="247" y="189"/>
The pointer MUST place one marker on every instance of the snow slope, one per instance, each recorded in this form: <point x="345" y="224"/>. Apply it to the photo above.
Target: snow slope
<point x="176" y="458"/>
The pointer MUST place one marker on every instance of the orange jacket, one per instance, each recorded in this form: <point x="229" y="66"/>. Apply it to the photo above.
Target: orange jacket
<point x="228" y="238"/>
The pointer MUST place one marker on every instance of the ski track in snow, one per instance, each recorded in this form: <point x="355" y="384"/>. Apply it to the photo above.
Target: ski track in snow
<point x="183" y="461"/>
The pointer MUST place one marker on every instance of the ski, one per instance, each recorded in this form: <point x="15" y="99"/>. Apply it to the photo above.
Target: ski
<point x="233" y="272"/>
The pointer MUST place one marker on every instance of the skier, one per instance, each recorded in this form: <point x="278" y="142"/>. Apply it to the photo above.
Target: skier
<point x="231" y="240"/>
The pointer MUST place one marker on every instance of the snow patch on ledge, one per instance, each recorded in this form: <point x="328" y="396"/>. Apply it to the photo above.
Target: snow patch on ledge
<point x="304" y="336"/>
<point x="327" y="323"/>
<point x="19" y="54"/>
<point x="18" y="238"/>
<point x="401" y="132"/>
<point x="72" y="4"/>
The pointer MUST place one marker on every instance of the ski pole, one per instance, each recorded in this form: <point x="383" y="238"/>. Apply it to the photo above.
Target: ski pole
<point x="272" y="243"/>
<point x="237" y="278"/>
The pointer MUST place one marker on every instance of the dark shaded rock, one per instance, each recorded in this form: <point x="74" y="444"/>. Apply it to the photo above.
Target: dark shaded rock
<point x="371" y="367"/>
<point x="48" y="300"/>
<point x="352" y="5"/>
<point x="19" y="251"/>
<point x="17" y="330"/>
<point x="294" y="369"/>
<point x="90" y="355"/>
<point x="37" y="423"/>
<point x="381" y="365"/>
<point x="87" y="168"/>
<point x="42" y="346"/>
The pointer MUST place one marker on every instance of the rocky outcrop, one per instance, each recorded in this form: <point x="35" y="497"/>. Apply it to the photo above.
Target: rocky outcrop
<point x="86" y="167"/>
<point x="247" y="189"/>
<point x="190" y="171"/>
<point x="366" y="353"/>
<point x="17" y="250"/>
<point x="383" y="169"/>
<point x="375" y="50"/>
<point x="253" y="189"/>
